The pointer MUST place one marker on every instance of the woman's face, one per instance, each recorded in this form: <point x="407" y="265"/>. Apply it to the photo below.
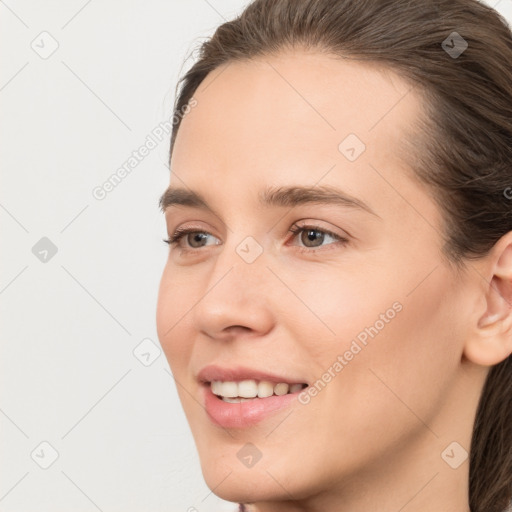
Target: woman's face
<point x="359" y="304"/>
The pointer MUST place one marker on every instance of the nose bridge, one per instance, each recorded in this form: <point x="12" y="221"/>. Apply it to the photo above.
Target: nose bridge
<point x="237" y="291"/>
<point x="242" y="261"/>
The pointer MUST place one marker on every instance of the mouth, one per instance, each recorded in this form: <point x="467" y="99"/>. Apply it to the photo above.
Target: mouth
<point x="242" y="397"/>
<point x="246" y="390"/>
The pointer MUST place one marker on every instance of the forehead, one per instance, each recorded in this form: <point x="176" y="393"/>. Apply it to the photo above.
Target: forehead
<point x="297" y="104"/>
<point x="290" y="118"/>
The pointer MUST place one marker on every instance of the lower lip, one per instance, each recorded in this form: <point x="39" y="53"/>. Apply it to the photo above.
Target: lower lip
<point x="243" y="414"/>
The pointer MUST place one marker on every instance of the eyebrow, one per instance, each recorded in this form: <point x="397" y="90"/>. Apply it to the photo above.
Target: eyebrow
<point x="271" y="196"/>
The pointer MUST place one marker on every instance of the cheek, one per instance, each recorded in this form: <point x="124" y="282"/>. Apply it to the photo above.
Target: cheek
<point x="337" y="306"/>
<point x="404" y="367"/>
<point x="382" y="326"/>
<point x="173" y="305"/>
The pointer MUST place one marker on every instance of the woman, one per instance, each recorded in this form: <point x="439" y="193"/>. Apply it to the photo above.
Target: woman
<point x="336" y="307"/>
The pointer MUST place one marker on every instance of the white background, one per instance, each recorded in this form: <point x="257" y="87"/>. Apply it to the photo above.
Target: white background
<point x="68" y="373"/>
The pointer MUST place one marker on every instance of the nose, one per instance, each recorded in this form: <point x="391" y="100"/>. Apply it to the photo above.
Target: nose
<point x="236" y="300"/>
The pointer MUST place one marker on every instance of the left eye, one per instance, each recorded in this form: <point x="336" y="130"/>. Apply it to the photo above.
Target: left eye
<point x="314" y="234"/>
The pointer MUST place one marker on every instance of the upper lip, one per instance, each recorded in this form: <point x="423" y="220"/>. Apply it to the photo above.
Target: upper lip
<point x="237" y="373"/>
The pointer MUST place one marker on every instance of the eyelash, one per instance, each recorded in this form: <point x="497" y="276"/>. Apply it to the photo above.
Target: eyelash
<point x="181" y="232"/>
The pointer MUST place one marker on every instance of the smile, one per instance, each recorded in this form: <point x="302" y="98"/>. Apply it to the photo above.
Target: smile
<point x="245" y="390"/>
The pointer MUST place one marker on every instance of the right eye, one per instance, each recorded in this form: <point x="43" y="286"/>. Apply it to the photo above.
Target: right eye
<point x="182" y="232"/>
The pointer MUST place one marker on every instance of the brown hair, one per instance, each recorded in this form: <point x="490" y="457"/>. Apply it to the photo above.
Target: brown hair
<point x="462" y="147"/>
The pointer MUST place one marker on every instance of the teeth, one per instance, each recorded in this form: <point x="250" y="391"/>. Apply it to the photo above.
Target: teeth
<point x="247" y="388"/>
<point x="234" y="392"/>
<point x="228" y="389"/>
<point x="281" y="388"/>
<point x="215" y="386"/>
<point x="265" y="389"/>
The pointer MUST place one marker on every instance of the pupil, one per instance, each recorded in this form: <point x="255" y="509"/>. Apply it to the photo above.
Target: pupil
<point x="313" y="235"/>
<point x="198" y="237"/>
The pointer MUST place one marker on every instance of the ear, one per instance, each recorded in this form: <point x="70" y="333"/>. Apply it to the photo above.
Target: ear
<point x="490" y="338"/>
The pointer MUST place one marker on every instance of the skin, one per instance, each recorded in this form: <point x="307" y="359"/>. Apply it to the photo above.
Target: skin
<point x="372" y="439"/>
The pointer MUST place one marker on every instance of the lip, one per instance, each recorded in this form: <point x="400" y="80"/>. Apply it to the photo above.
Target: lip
<point x="213" y="372"/>
<point x="243" y="414"/>
<point x="250" y="412"/>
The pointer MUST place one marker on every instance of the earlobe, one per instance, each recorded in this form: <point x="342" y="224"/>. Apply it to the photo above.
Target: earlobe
<point x="490" y="339"/>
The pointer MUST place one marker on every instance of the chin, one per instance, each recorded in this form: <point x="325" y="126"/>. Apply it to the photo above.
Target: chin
<point x="245" y="487"/>
<point x="251" y="485"/>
